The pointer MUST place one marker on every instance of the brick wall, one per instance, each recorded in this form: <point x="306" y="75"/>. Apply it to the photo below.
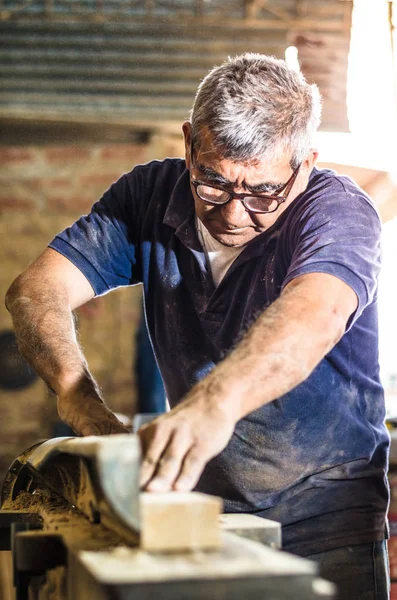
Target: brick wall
<point x="42" y="190"/>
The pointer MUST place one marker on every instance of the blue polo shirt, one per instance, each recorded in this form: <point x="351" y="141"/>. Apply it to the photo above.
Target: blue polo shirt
<point x="314" y="459"/>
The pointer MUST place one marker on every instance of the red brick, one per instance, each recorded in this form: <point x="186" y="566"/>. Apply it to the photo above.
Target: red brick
<point x="67" y="153"/>
<point x="174" y="150"/>
<point x="76" y="204"/>
<point x="6" y="410"/>
<point x="101" y="180"/>
<point x="37" y="414"/>
<point x="10" y="203"/>
<point x="122" y="152"/>
<point x="33" y="183"/>
<point x="16" y="154"/>
<point x="13" y="438"/>
<point x="57" y="182"/>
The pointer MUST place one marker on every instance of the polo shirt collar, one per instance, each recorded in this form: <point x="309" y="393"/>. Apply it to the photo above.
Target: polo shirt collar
<point x="180" y="213"/>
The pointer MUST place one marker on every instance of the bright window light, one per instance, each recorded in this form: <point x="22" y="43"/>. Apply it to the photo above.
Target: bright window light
<point x="371" y="98"/>
<point x="291" y="58"/>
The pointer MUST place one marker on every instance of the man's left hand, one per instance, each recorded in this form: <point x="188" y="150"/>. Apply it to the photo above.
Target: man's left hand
<point x="178" y="445"/>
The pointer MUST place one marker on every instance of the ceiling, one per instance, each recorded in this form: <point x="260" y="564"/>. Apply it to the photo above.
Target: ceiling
<point x="138" y="62"/>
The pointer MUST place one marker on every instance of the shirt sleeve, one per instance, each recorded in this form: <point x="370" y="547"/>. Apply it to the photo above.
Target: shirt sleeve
<point x="339" y="233"/>
<point x="102" y="244"/>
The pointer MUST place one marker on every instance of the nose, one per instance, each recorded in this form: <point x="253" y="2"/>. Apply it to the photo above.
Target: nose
<point x="234" y="213"/>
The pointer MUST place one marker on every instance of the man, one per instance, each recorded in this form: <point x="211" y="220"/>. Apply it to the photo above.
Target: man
<point x="259" y="273"/>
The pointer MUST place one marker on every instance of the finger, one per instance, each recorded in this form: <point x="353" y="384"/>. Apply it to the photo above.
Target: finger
<point x="169" y="465"/>
<point x="153" y="446"/>
<point x="191" y="470"/>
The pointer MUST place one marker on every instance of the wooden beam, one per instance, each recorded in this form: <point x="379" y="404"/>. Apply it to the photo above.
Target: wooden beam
<point x="251" y="8"/>
<point x="302" y="8"/>
<point x="278" y="12"/>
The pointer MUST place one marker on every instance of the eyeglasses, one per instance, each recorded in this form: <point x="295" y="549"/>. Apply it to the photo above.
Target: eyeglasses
<point x="266" y="203"/>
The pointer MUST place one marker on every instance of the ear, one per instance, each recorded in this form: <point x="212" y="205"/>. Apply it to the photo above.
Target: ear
<point x="187" y="135"/>
<point x="310" y="159"/>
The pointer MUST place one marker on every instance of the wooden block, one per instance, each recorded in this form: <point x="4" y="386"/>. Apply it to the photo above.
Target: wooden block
<point x="177" y="522"/>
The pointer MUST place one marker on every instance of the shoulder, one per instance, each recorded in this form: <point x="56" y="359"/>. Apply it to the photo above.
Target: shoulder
<point x="333" y="198"/>
<point x="155" y="175"/>
<point x="328" y="187"/>
<point x="146" y="186"/>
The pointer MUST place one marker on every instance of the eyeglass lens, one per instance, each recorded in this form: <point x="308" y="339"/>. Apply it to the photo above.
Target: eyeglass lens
<point x="259" y="203"/>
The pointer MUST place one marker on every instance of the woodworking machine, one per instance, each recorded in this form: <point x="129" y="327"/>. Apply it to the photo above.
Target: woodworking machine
<point x="79" y="528"/>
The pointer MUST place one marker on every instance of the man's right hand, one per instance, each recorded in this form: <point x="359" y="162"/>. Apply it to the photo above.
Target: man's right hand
<point x="87" y="414"/>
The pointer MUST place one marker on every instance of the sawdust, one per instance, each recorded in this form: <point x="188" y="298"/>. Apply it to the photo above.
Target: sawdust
<point x="40" y="501"/>
<point x="24" y="502"/>
<point x="58" y="516"/>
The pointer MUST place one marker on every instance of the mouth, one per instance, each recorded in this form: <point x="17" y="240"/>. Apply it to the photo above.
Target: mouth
<point x="227" y="228"/>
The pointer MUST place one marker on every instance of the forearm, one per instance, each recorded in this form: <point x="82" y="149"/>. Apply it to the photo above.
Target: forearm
<point x="46" y="335"/>
<point x="278" y="352"/>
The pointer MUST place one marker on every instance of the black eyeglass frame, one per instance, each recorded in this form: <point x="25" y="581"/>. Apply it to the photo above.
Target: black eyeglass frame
<point x="286" y="188"/>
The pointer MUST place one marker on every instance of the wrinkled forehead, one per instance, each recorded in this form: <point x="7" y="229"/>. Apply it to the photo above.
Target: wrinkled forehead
<point x="276" y="168"/>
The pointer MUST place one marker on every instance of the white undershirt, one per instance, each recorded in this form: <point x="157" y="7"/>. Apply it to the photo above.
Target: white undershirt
<point x="219" y="257"/>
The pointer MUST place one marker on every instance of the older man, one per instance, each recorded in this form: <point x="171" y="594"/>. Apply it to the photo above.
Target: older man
<point x="259" y="273"/>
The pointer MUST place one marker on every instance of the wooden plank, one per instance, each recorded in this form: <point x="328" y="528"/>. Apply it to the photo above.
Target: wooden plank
<point x="178" y="521"/>
<point x="236" y="558"/>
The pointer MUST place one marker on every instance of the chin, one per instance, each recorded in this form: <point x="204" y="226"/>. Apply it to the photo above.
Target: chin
<point x="232" y="240"/>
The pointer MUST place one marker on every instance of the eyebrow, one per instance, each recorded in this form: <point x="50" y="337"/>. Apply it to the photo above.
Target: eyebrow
<point x="214" y="177"/>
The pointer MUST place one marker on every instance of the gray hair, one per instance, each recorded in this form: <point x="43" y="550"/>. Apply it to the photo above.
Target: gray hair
<point x="256" y="108"/>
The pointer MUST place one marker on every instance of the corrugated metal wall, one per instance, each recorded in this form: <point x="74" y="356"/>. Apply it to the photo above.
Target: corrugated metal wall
<point x="141" y="61"/>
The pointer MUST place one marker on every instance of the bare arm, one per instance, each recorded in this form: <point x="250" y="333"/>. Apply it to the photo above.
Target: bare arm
<point x="41" y="301"/>
<point x="278" y="352"/>
<point x="285" y="344"/>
